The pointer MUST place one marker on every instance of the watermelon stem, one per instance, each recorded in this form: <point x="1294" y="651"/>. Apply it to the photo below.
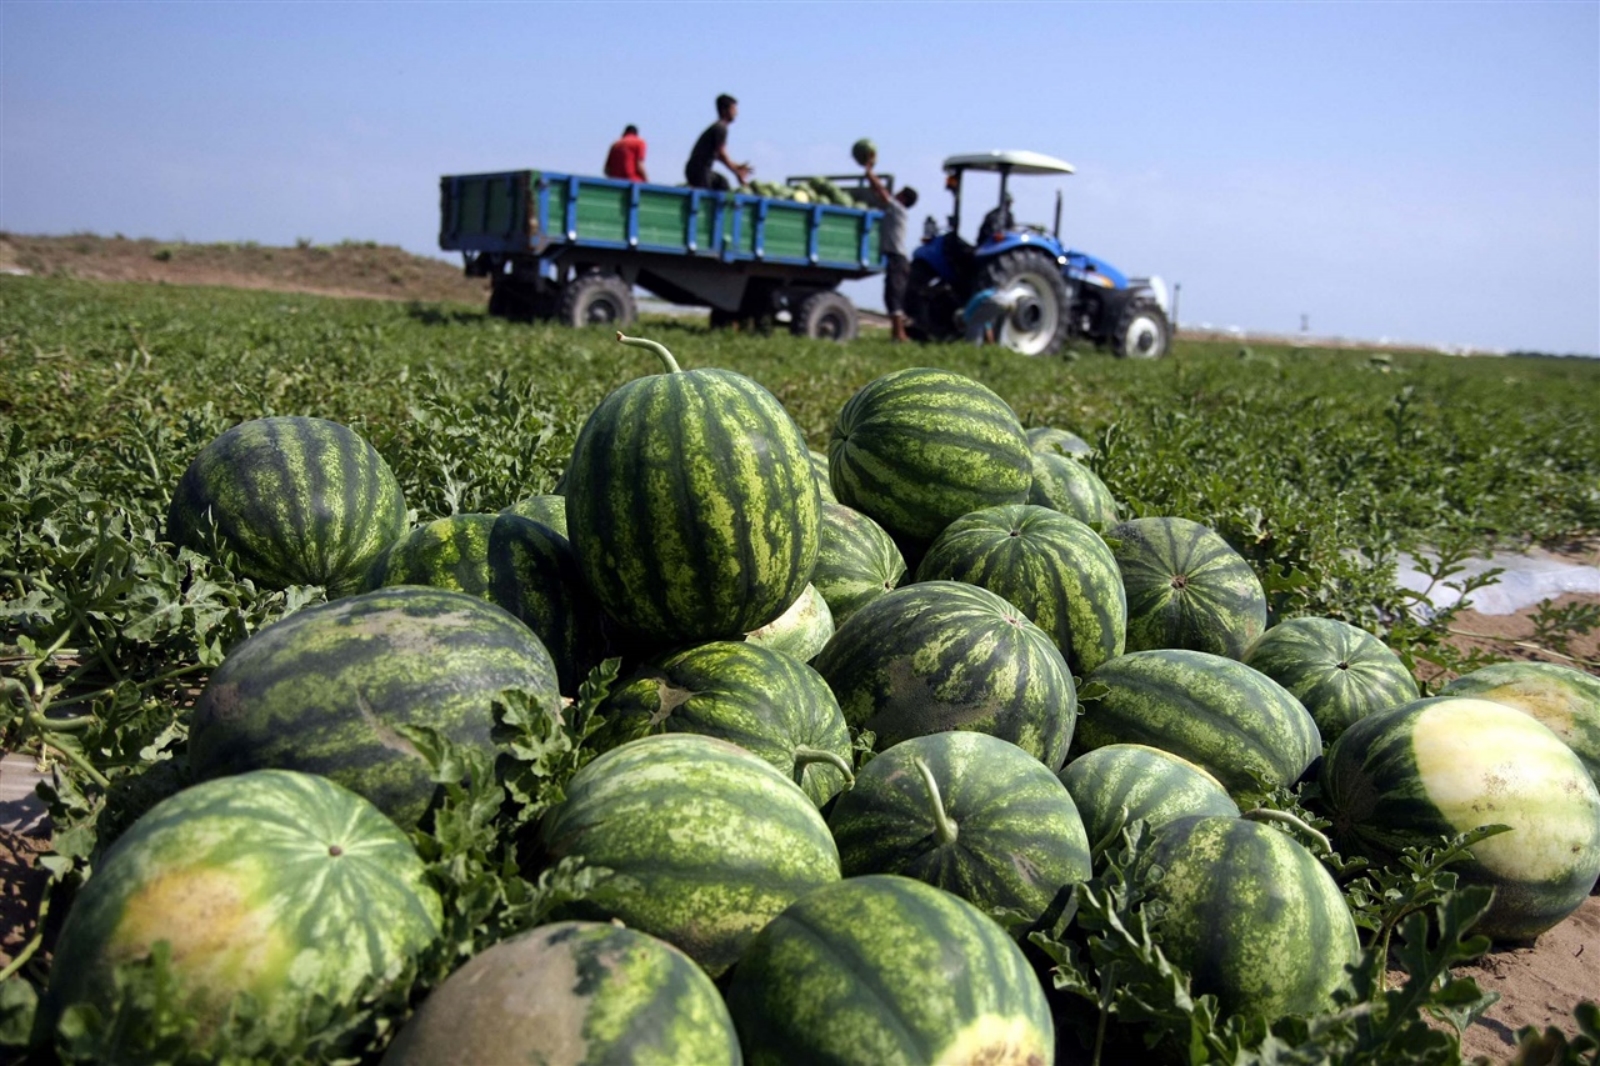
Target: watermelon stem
<point x="945" y="829"/>
<point x="1264" y="814"/>
<point x="655" y="346"/>
<point x="804" y="757"/>
<point x="1111" y="834"/>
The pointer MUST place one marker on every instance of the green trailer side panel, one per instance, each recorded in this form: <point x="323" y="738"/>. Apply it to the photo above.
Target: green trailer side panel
<point x="786" y="232"/>
<point x="492" y="205"/>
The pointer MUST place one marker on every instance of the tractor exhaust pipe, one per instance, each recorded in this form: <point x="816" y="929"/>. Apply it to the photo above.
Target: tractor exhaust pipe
<point x="1058" y="217"/>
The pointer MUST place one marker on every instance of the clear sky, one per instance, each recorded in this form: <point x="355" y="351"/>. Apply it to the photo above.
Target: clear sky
<point x="1424" y="172"/>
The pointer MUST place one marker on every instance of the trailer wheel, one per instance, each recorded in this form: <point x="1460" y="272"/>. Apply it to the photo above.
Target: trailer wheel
<point x="597" y="300"/>
<point x="826" y="316"/>
<point x="1039" y="323"/>
<point x="1142" y="331"/>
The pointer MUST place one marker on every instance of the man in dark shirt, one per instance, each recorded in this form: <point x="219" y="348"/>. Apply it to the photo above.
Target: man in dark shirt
<point x="896" y="249"/>
<point x="712" y="148"/>
<point x="625" y="161"/>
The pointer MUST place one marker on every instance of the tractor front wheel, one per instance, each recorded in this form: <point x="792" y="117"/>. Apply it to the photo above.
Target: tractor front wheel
<point x="1142" y="331"/>
<point x="1038" y="322"/>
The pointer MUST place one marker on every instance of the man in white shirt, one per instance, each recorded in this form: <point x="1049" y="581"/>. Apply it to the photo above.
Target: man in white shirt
<point x="896" y="249"/>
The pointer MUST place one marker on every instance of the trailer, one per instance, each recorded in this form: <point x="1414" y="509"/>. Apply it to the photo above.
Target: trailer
<point x="571" y="248"/>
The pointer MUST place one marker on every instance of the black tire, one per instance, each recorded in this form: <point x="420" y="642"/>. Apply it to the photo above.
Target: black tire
<point x="1142" y="331"/>
<point x="511" y="301"/>
<point x="597" y="300"/>
<point x="930" y="305"/>
<point x="826" y="316"/>
<point x="1042" y="320"/>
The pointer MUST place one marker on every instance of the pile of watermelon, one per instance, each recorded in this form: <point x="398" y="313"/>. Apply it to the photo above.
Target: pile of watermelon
<point x="880" y="712"/>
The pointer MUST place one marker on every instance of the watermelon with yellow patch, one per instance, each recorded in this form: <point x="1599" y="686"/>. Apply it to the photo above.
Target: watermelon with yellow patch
<point x="1564" y="700"/>
<point x="280" y="885"/>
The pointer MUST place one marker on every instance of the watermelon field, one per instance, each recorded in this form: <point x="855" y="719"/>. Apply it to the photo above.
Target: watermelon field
<point x="414" y="686"/>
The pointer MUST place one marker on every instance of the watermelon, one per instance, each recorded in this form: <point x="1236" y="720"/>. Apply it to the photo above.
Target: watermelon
<point x="887" y="971"/>
<point x="1047" y="440"/>
<point x="857" y="561"/>
<point x="969" y="813"/>
<point x="1237" y="724"/>
<point x="1186" y="588"/>
<point x="298" y="501"/>
<point x="1565" y="700"/>
<point x="322" y="691"/>
<point x="1052" y="568"/>
<point x="281" y="885"/>
<point x="572" y="992"/>
<point x="819" y="468"/>
<point x="1438" y="767"/>
<point x="1340" y="673"/>
<point x="1120" y="784"/>
<point x="1063" y="483"/>
<point x="918" y="448"/>
<point x="691" y="504"/>
<point x="769" y="703"/>
<point x="549" y="509"/>
<point x="942" y="655"/>
<point x="534" y="574"/>
<point x="706" y="842"/>
<point x="447" y="553"/>
<point x="802" y="631"/>
<point x="1251" y="914"/>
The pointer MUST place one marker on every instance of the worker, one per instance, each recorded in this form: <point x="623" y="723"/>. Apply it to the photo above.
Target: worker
<point x="995" y="222"/>
<point x="984" y="314"/>
<point x="625" y="161"/>
<point x="896" y="248"/>
<point x="712" y="148"/>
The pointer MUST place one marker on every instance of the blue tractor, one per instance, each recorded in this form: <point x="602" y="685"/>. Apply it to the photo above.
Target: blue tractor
<point x="1055" y="294"/>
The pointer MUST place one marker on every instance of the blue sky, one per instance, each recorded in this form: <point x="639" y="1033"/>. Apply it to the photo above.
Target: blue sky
<point x="1424" y="172"/>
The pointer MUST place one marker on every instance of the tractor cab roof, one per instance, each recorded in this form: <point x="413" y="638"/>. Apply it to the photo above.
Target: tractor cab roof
<point x="1013" y="162"/>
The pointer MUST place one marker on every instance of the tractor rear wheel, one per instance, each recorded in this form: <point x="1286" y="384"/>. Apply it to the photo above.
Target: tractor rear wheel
<point x="597" y="299"/>
<point x="1142" y="331"/>
<point x="825" y="316"/>
<point x="1039" y="322"/>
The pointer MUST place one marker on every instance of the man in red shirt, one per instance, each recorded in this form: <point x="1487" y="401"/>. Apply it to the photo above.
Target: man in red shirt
<point x="625" y="161"/>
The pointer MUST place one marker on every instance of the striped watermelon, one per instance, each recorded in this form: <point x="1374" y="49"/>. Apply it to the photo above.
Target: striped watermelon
<point x="1120" y="784"/>
<point x="706" y="842"/>
<point x="447" y="553"/>
<point x="942" y="655"/>
<point x="1047" y="440"/>
<point x="1186" y="588"/>
<point x="916" y="449"/>
<point x="968" y="813"/>
<point x="1340" y="673"/>
<point x="322" y="690"/>
<point x="856" y="563"/>
<point x="572" y="992"/>
<point x="1237" y="724"/>
<point x="1251" y="914"/>
<point x="281" y="885"/>
<point x="819" y="467"/>
<point x="1567" y="701"/>
<point x="692" y="505"/>
<point x="801" y="631"/>
<point x="1438" y="767"/>
<point x="298" y="501"/>
<point x="549" y="509"/>
<point x="1052" y="568"/>
<point x="534" y="574"/>
<point x="769" y="703"/>
<point x="887" y="971"/>
<point x="1063" y="483"/>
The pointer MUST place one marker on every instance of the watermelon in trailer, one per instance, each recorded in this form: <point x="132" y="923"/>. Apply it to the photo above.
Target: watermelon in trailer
<point x="692" y="505"/>
<point x="943" y="655"/>
<point x="323" y="690"/>
<point x="884" y="970"/>
<point x="611" y="993"/>
<point x="280" y="885"/>
<point x="705" y="842"/>
<point x="1053" y="568"/>
<point x="918" y="448"/>
<point x="969" y="813"/>
<point x="1442" y="766"/>
<point x="297" y="501"/>
<point x="1187" y="588"/>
